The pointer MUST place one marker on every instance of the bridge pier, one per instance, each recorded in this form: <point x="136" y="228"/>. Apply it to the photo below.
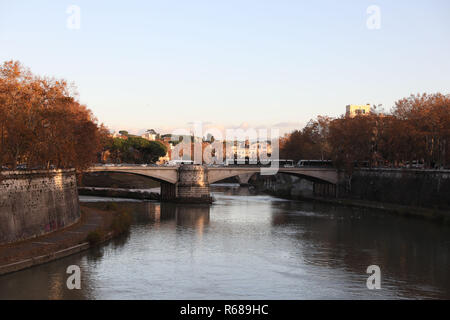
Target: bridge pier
<point x="168" y="191"/>
<point x="324" y="189"/>
<point x="192" y="186"/>
<point x="244" y="178"/>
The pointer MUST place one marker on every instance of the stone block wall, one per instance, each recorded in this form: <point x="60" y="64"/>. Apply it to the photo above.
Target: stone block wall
<point x="193" y="192"/>
<point x="33" y="203"/>
<point x="193" y="184"/>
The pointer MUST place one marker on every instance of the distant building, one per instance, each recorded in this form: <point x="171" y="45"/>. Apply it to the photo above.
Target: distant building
<point x="252" y="150"/>
<point x="149" y="136"/>
<point x="353" y="110"/>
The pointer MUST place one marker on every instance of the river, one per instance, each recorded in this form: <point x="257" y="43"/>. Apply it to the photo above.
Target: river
<point x="251" y="246"/>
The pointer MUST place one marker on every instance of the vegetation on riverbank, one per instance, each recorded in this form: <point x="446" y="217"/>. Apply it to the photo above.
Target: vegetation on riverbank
<point x="95" y="237"/>
<point x="122" y="222"/>
<point x="119" y="224"/>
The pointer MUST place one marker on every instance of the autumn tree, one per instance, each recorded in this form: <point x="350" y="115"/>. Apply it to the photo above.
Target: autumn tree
<point x="352" y="140"/>
<point x="42" y="125"/>
<point x="427" y="118"/>
<point x="309" y="143"/>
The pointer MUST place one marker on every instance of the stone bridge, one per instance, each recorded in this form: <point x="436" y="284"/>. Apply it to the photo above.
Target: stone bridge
<point x="190" y="183"/>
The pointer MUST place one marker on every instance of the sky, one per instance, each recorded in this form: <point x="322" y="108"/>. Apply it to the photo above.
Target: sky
<point x="248" y="63"/>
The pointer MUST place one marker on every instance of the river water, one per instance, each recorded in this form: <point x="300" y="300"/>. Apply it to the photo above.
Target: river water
<point x="251" y="246"/>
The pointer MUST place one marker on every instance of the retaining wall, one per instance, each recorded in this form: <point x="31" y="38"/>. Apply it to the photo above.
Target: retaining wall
<point x="421" y="188"/>
<point x="33" y="203"/>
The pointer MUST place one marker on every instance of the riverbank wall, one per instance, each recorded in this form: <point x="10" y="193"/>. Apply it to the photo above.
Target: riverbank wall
<point x="418" y="188"/>
<point x="61" y="243"/>
<point x="420" y="193"/>
<point x="35" y="203"/>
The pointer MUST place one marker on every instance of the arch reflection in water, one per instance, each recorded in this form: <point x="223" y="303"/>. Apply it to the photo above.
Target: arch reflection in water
<point x="184" y="215"/>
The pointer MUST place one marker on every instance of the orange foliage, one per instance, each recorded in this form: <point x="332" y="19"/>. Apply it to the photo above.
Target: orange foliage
<point x="417" y="131"/>
<point x="42" y="125"/>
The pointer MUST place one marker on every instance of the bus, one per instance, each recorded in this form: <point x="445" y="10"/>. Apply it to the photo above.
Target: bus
<point x="253" y="162"/>
<point x="179" y="162"/>
<point x="280" y="163"/>
<point x="315" y="163"/>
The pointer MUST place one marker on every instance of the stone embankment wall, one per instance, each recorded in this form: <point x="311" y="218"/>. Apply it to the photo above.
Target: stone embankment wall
<point x="421" y="188"/>
<point x="416" y="188"/>
<point x="33" y="203"/>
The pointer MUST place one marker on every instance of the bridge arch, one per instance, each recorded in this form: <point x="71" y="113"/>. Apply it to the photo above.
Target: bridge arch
<point x="318" y="175"/>
<point x="167" y="175"/>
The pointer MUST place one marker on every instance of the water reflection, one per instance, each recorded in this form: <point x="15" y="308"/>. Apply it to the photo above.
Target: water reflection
<point x="412" y="253"/>
<point x="49" y="281"/>
<point x="251" y="246"/>
<point x="44" y="282"/>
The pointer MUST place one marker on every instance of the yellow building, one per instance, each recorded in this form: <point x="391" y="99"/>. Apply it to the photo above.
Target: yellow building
<point x="353" y="110"/>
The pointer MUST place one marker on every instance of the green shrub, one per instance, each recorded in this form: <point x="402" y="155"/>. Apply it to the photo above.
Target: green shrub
<point x="121" y="222"/>
<point x="94" y="237"/>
